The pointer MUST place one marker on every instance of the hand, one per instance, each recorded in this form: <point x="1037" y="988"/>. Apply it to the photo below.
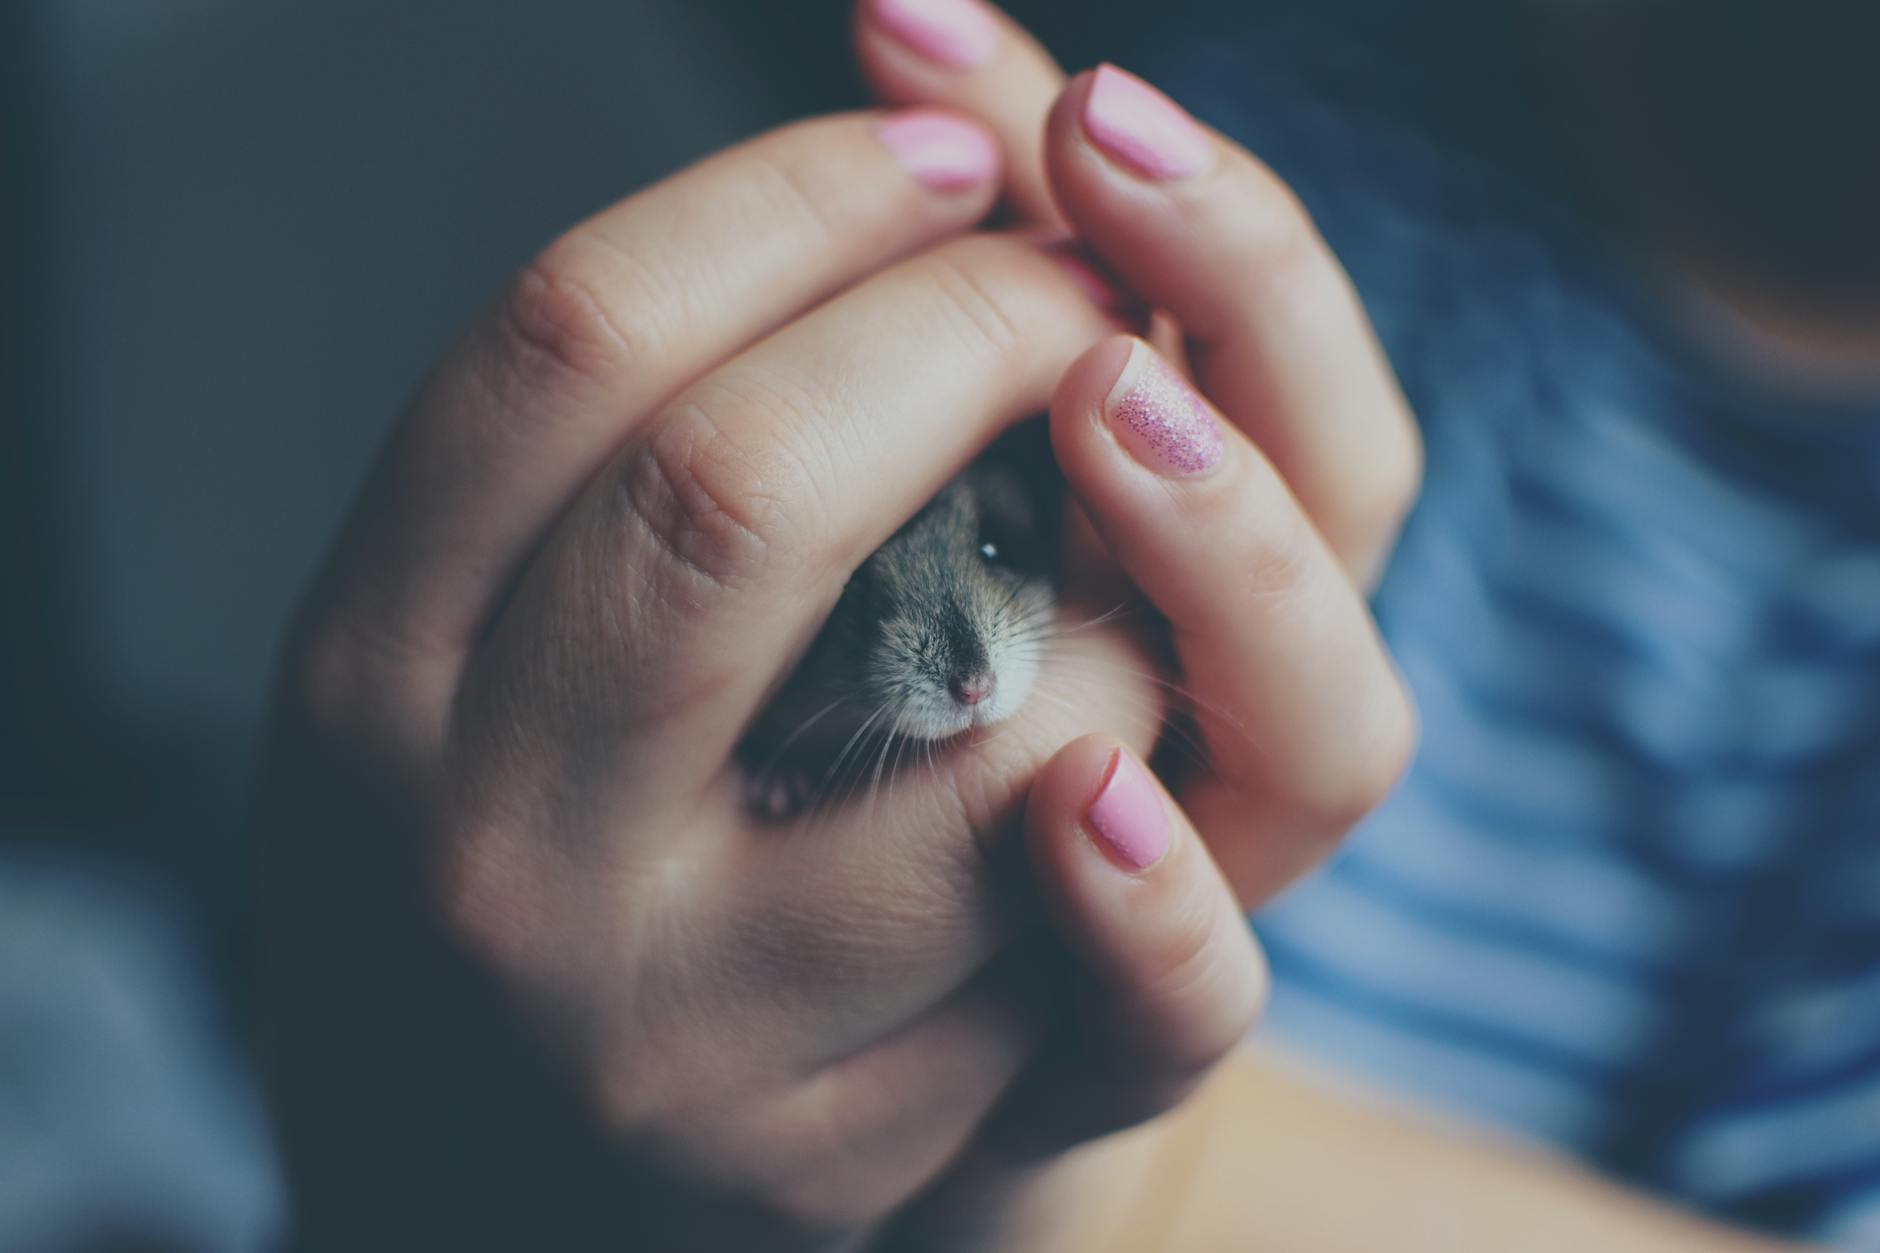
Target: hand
<point x="543" y="981"/>
<point x="1257" y="558"/>
<point x="1304" y="722"/>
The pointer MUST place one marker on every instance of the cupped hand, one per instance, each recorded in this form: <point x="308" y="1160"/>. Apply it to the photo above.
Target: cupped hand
<point x="1251" y="494"/>
<point x="544" y="979"/>
<point x="1260" y="558"/>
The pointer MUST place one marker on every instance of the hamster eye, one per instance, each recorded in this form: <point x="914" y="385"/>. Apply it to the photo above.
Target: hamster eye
<point x="989" y="553"/>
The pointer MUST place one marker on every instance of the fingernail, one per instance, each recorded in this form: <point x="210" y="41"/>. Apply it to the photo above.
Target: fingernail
<point x="954" y="33"/>
<point x="1086" y="272"/>
<point x="944" y="152"/>
<point x="1160" y="419"/>
<point x="1127" y="817"/>
<point x="1143" y="128"/>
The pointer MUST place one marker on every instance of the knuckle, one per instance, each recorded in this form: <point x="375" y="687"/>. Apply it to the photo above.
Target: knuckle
<point x="565" y="317"/>
<point x="718" y="511"/>
<point x="1279" y="239"/>
<point x="1277" y="263"/>
<point x="1278" y="558"/>
<point x="960" y="281"/>
<point x="352" y="687"/>
<point x="1184" y="950"/>
<point x="1376" y="760"/>
<point x="1390" y="486"/>
<point x="1194" y="995"/>
<point x="784" y="182"/>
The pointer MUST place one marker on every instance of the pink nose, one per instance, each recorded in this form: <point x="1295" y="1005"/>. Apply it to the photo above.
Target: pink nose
<point x="970" y="689"/>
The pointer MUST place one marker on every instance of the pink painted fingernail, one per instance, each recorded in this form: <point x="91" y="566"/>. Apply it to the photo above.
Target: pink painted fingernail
<point x="1161" y="420"/>
<point x="1143" y="128"/>
<point x="954" y="33"/>
<point x="945" y="152"/>
<point x="1127" y="817"/>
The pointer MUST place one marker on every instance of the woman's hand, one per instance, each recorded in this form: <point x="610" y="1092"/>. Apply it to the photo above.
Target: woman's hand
<point x="1251" y="508"/>
<point x="1260" y="561"/>
<point x="543" y="979"/>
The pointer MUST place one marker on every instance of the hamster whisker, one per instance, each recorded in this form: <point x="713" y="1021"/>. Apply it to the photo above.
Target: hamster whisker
<point x="1186" y="693"/>
<point x="777" y="754"/>
<point x="1118" y="610"/>
<point x="1149" y="717"/>
<point x="1012" y="594"/>
<point x="842" y="758"/>
<point x="874" y="786"/>
<point x="1157" y="721"/>
<point x="1194" y="737"/>
<point x="1044" y="624"/>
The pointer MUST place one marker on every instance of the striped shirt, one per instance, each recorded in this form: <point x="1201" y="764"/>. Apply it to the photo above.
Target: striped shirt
<point x="1627" y="900"/>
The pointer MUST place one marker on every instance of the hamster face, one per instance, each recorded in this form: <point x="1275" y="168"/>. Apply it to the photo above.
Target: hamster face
<point x="958" y="608"/>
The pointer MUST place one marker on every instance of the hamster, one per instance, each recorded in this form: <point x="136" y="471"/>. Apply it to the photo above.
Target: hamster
<point x="940" y="631"/>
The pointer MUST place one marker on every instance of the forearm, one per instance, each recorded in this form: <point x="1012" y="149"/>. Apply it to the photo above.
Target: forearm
<point x="1267" y="1157"/>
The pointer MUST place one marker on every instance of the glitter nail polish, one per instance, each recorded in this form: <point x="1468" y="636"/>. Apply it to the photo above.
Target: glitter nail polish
<point x="1161" y="421"/>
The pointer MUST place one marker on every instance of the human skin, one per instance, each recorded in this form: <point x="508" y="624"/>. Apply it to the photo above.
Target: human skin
<point x="540" y="978"/>
<point x="1269" y="1153"/>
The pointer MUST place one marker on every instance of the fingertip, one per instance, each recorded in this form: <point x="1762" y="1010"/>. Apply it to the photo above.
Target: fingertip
<point x="1062" y="148"/>
<point x="944" y="151"/>
<point x="947" y="35"/>
<point x="1087" y="383"/>
<point x="1068" y="782"/>
<point x="1096" y="796"/>
<point x="1128" y="819"/>
<point x="967" y="55"/>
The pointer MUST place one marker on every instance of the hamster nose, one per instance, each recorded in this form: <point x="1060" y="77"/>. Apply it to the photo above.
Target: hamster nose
<point x="972" y="687"/>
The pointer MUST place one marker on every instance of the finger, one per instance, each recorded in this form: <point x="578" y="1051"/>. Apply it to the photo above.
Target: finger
<point x="969" y="56"/>
<point x="922" y="871"/>
<point x="907" y="1103"/>
<point x="1168" y="974"/>
<point x="698" y="566"/>
<point x="1302" y="714"/>
<point x="606" y="323"/>
<point x="1277" y="335"/>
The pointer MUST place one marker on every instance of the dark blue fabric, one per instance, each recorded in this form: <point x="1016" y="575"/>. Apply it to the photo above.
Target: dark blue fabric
<point x="1628" y="898"/>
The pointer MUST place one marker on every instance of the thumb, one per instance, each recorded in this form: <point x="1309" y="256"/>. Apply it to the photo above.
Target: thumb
<point x="1167" y="982"/>
<point x="1169" y="977"/>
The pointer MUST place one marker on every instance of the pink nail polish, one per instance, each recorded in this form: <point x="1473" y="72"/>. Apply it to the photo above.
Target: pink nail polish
<point x="954" y="33"/>
<point x="1143" y="128"/>
<point x="1160" y="420"/>
<point x="1127" y="817"/>
<point x="946" y="153"/>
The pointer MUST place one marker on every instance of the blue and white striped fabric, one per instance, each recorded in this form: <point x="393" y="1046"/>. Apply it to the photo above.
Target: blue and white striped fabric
<point x="1628" y="899"/>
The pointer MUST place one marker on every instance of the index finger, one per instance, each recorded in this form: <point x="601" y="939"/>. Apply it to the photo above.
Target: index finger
<point x="1304" y="718"/>
<point x="967" y="55"/>
<point x="604" y="324"/>
<point x="1276" y="332"/>
<point x="695" y="568"/>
